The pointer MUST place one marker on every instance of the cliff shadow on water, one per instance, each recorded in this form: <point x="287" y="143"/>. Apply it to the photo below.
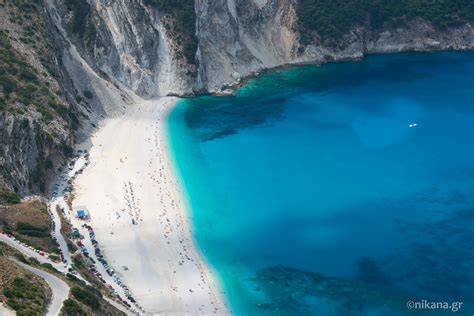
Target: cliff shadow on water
<point x="262" y="99"/>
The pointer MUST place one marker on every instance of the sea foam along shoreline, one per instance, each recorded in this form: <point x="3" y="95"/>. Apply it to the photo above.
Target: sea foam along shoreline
<point x="139" y="217"/>
<point x="216" y="289"/>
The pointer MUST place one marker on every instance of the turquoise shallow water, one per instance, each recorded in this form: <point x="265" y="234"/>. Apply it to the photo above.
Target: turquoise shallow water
<point x="311" y="195"/>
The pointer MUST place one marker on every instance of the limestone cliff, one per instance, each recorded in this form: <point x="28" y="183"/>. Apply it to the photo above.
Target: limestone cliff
<point x="136" y="44"/>
<point x="125" y="42"/>
<point x="35" y="114"/>
<point x="240" y="37"/>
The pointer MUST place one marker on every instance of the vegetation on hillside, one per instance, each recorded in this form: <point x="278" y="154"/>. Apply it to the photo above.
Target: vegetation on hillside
<point x="72" y="308"/>
<point x="85" y="299"/>
<point x="88" y="94"/>
<point x="333" y="18"/>
<point x="21" y="290"/>
<point x="87" y="295"/>
<point x="81" y="23"/>
<point x="182" y="25"/>
<point x="21" y="83"/>
<point x="32" y="230"/>
<point x="9" y="197"/>
<point x="29" y="221"/>
<point x="25" y="297"/>
<point x="30" y="92"/>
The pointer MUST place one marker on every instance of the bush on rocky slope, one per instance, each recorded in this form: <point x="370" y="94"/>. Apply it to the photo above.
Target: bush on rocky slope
<point x="9" y="197"/>
<point x="87" y="295"/>
<point x="72" y="308"/>
<point x="24" y="292"/>
<point x="21" y="83"/>
<point x="81" y="23"/>
<point x="29" y="221"/>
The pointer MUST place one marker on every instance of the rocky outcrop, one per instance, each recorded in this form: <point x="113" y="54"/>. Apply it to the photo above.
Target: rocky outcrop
<point x="27" y="154"/>
<point x="239" y="37"/>
<point x="419" y="35"/>
<point x="17" y="137"/>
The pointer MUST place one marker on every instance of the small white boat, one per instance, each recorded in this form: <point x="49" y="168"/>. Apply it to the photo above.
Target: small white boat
<point x="413" y="125"/>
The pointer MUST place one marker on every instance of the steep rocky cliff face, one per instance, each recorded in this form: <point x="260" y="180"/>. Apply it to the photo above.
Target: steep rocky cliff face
<point x="240" y="37"/>
<point x="27" y="153"/>
<point x="146" y="47"/>
<point x="35" y="115"/>
<point x="126" y="42"/>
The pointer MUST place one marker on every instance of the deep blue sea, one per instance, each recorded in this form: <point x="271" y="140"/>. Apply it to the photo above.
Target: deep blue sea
<point x="312" y="195"/>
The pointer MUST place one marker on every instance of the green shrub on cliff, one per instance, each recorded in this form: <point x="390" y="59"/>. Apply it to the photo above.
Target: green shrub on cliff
<point x="71" y="308"/>
<point x="26" y="297"/>
<point x="31" y="230"/>
<point x="87" y="295"/>
<point x="81" y="24"/>
<point x="9" y="197"/>
<point x="20" y="82"/>
<point x="88" y="94"/>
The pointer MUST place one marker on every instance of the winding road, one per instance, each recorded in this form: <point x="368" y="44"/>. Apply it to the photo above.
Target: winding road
<point x="59" y="288"/>
<point x="30" y="253"/>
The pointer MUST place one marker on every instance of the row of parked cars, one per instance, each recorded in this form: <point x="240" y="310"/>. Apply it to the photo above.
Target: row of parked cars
<point x="78" y="238"/>
<point x="107" y="267"/>
<point x="67" y="189"/>
<point x="54" y="238"/>
<point x="41" y="253"/>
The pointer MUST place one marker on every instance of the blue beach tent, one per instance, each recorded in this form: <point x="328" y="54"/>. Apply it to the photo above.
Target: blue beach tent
<point x="81" y="213"/>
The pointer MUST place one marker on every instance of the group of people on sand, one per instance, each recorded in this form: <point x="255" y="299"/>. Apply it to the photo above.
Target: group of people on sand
<point x="172" y="221"/>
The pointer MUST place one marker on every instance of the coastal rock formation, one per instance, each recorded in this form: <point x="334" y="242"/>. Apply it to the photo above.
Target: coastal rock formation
<point x="240" y="37"/>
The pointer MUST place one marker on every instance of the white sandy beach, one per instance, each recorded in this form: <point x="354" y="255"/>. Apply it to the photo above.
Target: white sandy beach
<point x="130" y="179"/>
